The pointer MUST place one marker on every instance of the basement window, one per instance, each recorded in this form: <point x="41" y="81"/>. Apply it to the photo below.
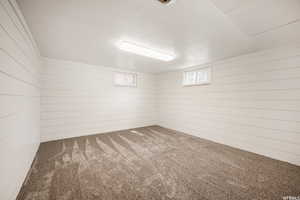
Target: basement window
<point x="197" y="77"/>
<point x="125" y="79"/>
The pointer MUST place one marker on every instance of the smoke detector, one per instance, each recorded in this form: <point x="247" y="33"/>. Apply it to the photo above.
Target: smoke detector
<point x="167" y="1"/>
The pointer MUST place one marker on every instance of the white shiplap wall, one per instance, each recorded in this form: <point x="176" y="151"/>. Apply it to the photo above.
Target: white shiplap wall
<point x="19" y="100"/>
<point x="253" y="103"/>
<point x="79" y="99"/>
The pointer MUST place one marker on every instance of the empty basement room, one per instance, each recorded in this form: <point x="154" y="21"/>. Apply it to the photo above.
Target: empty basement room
<point x="149" y="99"/>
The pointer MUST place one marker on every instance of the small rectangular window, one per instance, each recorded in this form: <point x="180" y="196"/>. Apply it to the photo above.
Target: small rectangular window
<point x="125" y="79"/>
<point x="197" y="77"/>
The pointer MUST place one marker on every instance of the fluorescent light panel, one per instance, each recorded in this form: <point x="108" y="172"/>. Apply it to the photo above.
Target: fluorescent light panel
<point x="145" y="51"/>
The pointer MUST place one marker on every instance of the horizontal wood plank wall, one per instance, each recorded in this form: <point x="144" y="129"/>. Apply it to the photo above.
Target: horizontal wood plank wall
<point x="253" y="104"/>
<point x="79" y="99"/>
<point x="19" y="100"/>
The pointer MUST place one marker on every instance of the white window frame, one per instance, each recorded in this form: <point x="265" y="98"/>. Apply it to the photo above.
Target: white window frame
<point x="197" y="82"/>
<point x="134" y="76"/>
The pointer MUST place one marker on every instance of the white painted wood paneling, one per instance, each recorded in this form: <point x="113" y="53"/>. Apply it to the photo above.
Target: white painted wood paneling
<point x="252" y="103"/>
<point x="19" y="100"/>
<point x="79" y="99"/>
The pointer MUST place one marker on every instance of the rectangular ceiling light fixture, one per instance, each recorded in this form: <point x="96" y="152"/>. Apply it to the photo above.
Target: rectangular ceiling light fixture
<point x="145" y="51"/>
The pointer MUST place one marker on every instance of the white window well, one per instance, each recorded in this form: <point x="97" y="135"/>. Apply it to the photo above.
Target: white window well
<point x="197" y="77"/>
<point x="125" y="79"/>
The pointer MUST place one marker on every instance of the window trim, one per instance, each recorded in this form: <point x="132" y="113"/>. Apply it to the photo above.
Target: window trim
<point x="209" y="68"/>
<point x="135" y="75"/>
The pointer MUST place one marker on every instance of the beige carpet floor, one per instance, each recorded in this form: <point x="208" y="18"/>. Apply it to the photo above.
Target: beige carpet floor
<point x="154" y="163"/>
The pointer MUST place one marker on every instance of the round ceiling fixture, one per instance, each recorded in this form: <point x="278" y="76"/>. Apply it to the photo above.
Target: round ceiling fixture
<point x="167" y="1"/>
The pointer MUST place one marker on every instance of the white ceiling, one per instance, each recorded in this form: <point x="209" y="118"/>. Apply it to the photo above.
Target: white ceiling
<point x="197" y="31"/>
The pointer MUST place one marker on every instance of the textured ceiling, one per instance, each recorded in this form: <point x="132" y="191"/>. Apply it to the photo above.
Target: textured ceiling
<point x="197" y="31"/>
